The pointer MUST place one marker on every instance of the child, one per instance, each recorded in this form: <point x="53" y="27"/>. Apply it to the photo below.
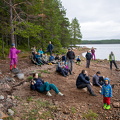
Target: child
<point x="78" y="60"/>
<point x="41" y="52"/>
<point x="106" y="91"/>
<point x="13" y="56"/>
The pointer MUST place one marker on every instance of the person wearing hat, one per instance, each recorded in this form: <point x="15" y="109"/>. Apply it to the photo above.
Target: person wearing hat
<point x="70" y="57"/>
<point x="13" y="56"/>
<point x="106" y="91"/>
<point x="97" y="79"/>
<point x="78" y="60"/>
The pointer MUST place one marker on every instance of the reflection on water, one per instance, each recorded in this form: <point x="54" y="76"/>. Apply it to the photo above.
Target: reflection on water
<point x="103" y="50"/>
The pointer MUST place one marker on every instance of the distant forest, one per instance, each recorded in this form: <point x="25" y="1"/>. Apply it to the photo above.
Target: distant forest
<point x="112" y="41"/>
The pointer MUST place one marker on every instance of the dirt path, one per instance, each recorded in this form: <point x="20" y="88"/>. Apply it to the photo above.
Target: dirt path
<point x="80" y="100"/>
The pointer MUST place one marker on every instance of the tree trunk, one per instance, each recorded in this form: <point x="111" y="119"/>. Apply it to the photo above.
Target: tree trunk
<point x="11" y="23"/>
<point x="3" y="46"/>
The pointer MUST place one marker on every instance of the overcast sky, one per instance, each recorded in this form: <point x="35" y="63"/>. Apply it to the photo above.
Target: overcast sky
<point x="99" y="19"/>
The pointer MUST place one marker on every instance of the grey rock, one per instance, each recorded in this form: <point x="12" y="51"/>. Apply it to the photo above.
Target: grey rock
<point x="9" y="79"/>
<point x="1" y="105"/>
<point x="1" y="97"/>
<point x="10" y="112"/>
<point x="15" y="71"/>
<point x="20" y="76"/>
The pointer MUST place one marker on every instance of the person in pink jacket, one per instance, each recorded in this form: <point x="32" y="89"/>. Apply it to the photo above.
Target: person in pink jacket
<point x="13" y="56"/>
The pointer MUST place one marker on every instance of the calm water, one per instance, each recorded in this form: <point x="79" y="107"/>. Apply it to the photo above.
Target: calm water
<point x="103" y="50"/>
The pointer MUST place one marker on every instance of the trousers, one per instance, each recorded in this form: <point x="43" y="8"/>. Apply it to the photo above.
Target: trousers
<point x="13" y="61"/>
<point x="88" y="87"/>
<point x="47" y="87"/>
<point x="106" y="100"/>
<point x="113" y="61"/>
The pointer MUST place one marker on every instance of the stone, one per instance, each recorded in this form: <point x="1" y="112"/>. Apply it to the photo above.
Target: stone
<point x="3" y="115"/>
<point x="9" y="79"/>
<point x="1" y="97"/>
<point x="20" y="76"/>
<point x="10" y="112"/>
<point x="116" y="104"/>
<point x="15" y="71"/>
<point x="1" y="105"/>
<point x="17" y="118"/>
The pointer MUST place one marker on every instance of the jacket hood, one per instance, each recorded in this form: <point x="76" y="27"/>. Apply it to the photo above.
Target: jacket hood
<point x="107" y="79"/>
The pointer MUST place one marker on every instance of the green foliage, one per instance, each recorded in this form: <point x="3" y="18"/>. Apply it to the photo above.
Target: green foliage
<point x="75" y="32"/>
<point x="90" y="115"/>
<point x="35" y="23"/>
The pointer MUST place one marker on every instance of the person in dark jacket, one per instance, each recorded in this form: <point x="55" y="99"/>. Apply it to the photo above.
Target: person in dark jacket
<point x="41" y="86"/>
<point x="88" y="58"/>
<point x="98" y="80"/>
<point x="50" y="48"/>
<point x="70" y="57"/>
<point x="83" y="81"/>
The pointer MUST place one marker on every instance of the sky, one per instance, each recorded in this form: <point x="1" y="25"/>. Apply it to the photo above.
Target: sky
<point x="99" y="19"/>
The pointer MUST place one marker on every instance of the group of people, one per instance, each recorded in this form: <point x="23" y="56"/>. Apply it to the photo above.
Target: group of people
<point x="90" y="55"/>
<point x="65" y="67"/>
<point x="83" y="81"/>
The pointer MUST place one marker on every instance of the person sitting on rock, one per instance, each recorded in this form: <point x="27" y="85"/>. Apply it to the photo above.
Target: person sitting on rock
<point x="39" y="85"/>
<point x="83" y="82"/>
<point x="97" y="79"/>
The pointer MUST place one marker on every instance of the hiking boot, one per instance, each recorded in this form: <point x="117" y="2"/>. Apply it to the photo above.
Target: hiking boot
<point x="49" y="94"/>
<point x="60" y="94"/>
<point x="107" y="107"/>
<point x="93" y="94"/>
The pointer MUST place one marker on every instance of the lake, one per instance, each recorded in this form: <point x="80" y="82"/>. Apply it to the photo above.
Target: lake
<point x="103" y="50"/>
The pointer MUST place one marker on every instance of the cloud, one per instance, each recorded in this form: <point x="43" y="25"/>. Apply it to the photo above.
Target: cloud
<point x="98" y="19"/>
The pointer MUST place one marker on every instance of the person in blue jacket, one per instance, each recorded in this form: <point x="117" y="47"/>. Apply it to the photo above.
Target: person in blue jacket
<point x="106" y="91"/>
<point x="83" y="81"/>
<point x="39" y="85"/>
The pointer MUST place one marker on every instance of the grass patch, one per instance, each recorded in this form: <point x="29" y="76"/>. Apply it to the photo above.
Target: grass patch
<point x="90" y="115"/>
<point x="29" y="99"/>
<point x="44" y="71"/>
<point x="30" y="78"/>
<point x="73" y="109"/>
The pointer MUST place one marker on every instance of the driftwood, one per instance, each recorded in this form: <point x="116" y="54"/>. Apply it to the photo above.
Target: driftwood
<point x="20" y="83"/>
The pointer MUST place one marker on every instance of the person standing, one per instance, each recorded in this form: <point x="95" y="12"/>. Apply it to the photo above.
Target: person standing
<point x="112" y="60"/>
<point x="13" y="56"/>
<point x="93" y="53"/>
<point x="106" y="91"/>
<point x="50" y="48"/>
<point x="83" y="82"/>
<point x="70" y="57"/>
<point x="88" y="58"/>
